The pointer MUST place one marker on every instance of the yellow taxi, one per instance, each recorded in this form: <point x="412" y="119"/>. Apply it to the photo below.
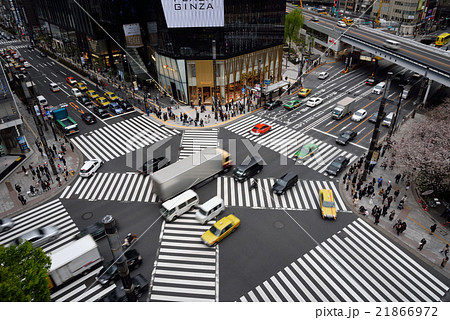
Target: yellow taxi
<point x="92" y="94"/>
<point x="304" y="92"/>
<point x="327" y="205"/>
<point x="81" y="86"/>
<point x="220" y="230"/>
<point x="111" y="96"/>
<point x="102" y="101"/>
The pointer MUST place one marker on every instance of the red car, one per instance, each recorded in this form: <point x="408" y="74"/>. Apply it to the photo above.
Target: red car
<point x="71" y="80"/>
<point x="260" y="129"/>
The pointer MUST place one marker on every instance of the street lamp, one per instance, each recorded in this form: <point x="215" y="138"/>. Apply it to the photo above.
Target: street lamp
<point x="394" y="120"/>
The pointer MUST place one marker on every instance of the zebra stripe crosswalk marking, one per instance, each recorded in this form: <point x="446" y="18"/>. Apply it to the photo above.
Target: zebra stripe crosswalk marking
<point x="52" y="213"/>
<point x="185" y="269"/>
<point x="196" y="140"/>
<point x="112" y="186"/>
<point x="287" y="142"/>
<point x="366" y="266"/>
<point x="302" y="196"/>
<point x="118" y="139"/>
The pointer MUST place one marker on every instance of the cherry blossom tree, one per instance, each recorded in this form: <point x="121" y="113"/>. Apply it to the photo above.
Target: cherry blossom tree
<point x="422" y="151"/>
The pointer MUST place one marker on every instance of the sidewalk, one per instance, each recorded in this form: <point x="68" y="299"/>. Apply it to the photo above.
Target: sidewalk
<point x="417" y="219"/>
<point x="10" y="203"/>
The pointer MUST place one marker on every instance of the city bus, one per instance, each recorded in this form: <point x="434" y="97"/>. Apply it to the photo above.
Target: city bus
<point x="442" y="39"/>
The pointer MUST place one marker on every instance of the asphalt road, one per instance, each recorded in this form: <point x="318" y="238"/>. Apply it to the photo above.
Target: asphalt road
<point x="271" y="236"/>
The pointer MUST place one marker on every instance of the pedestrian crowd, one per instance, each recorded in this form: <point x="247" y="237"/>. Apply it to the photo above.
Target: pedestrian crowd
<point x="41" y="177"/>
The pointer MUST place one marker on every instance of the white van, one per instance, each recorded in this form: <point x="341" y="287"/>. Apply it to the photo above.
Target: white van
<point x="388" y="119"/>
<point x="175" y="207"/>
<point x="54" y="87"/>
<point x="406" y="90"/>
<point x="391" y="44"/>
<point x="209" y="210"/>
<point x="42" y="101"/>
<point x="379" y="88"/>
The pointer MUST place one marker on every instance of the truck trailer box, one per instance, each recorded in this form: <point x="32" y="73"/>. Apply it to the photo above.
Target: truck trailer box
<point x="342" y="108"/>
<point x="73" y="259"/>
<point x="186" y="173"/>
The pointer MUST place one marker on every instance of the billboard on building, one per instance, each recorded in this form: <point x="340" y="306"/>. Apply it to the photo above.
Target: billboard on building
<point x="133" y="35"/>
<point x="193" y="13"/>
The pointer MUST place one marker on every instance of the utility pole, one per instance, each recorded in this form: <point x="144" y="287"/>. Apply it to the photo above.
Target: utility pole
<point x="121" y="262"/>
<point x="260" y="85"/>
<point x="376" y="130"/>
<point x="394" y="120"/>
<point x="419" y="96"/>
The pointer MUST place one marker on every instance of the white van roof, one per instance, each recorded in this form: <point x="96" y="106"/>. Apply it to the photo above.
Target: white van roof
<point x="171" y="203"/>
<point x="211" y="203"/>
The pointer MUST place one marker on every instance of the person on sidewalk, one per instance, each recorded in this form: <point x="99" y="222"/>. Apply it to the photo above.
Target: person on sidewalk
<point x="380" y="182"/>
<point x="377" y="218"/>
<point x="392" y="215"/>
<point x="433" y="228"/>
<point x="445" y="250"/>
<point x="22" y="199"/>
<point x="396" y="193"/>
<point x="422" y="243"/>
<point x="444" y="262"/>
<point x="18" y="188"/>
<point x="397" y="178"/>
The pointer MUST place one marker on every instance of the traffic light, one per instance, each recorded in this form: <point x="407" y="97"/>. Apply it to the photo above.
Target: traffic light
<point x="124" y="58"/>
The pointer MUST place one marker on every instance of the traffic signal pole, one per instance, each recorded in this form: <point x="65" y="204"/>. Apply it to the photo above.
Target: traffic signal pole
<point x="376" y="130"/>
<point x="115" y="245"/>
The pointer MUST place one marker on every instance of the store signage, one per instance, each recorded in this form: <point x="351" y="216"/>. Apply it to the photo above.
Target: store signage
<point x="193" y="13"/>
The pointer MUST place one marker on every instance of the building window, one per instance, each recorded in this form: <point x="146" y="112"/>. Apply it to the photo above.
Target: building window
<point x="192" y="69"/>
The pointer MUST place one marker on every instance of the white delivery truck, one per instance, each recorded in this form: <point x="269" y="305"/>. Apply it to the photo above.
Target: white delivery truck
<point x="188" y="172"/>
<point x="72" y="260"/>
<point x="342" y="108"/>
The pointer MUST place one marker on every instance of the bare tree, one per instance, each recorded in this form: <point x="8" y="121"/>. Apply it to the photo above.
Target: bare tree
<point x="423" y="151"/>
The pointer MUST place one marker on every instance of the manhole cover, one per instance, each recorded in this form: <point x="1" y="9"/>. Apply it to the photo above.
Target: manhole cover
<point x="87" y="215"/>
<point x="278" y="224"/>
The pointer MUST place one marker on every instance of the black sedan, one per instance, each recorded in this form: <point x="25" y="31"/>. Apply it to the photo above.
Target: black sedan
<point x="337" y="165"/>
<point x="346" y="136"/>
<point x="101" y="112"/>
<point x="88" y="118"/>
<point x="126" y="106"/>
<point x="273" y="105"/>
<point x="85" y="100"/>
<point x="141" y="285"/>
<point x="109" y="272"/>
<point x="96" y="230"/>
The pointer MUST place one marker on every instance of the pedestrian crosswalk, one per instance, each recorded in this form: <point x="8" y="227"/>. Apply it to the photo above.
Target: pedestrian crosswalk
<point x="186" y="269"/>
<point x="83" y="289"/>
<point x="196" y="140"/>
<point x="287" y="142"/>
<point x="3" y="41"/>
<point x="52" y="213"/>
<point x="115" y="140"/>
<point x="356" y="265"/>
<point x="130" y="186"/>
<point x="304" y="195"/>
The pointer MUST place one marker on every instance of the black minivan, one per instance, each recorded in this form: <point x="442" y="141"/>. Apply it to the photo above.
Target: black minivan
<point x="286" y="182"/>
<point x="246" y="171"/>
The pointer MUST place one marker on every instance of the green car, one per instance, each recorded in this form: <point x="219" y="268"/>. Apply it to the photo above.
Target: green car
<point x="306" y="151"/>
<point x="292" y="104"/>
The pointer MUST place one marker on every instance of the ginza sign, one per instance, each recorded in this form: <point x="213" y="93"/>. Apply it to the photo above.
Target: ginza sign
<point x="193" y="13"/>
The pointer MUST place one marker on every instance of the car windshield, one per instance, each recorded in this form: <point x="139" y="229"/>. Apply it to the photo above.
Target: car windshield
<point x="202" y="212"/>
<point x="304" y="150"/>
<point x="328" y="204"/>
<point x="336" y="164"/>
<point x="281" y="182"/>
<point x="214" y="231"/>
<point x="238" y="171"/>
<point x="110" y="269"/>
<point x="359" y="114"/>
<point x="345" y="135"/>
<point x="164" y="212"/>
<point x="337" y="112"/>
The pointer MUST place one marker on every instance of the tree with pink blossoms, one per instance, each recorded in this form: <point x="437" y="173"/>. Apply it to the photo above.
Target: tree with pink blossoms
<point x="422" y="151"/>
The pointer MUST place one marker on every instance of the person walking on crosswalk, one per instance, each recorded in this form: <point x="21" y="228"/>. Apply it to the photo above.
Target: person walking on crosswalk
<point x="445" y="250"/>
